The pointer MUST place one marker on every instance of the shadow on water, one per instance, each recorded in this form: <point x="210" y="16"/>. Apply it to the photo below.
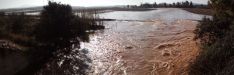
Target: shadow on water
<point x="69" y="60"/>
<point x="71" y="63"/>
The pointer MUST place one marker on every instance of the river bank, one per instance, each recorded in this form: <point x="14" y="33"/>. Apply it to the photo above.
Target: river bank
<point x="204" y="11"/>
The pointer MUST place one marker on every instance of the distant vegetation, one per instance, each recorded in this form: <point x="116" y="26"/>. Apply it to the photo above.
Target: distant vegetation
<point x="48" y="36"/>
<point x="185" y="4"/>
<point x="217" y="38"/>
<point x="16" y="27"/>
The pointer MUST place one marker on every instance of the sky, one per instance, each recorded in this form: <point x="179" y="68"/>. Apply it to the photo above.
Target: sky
<point x="86" y="3"/>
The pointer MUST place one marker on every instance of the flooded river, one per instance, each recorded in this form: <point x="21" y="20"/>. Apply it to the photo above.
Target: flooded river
<point x="157" y="42"/>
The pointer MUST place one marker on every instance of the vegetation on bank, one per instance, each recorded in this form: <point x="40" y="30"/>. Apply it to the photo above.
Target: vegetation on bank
<point x="184" y="4"/>
<point x="50" y="37"/>
<point x="16" y="27"/>
<point x="217" y="38"/>
<point x="203" y="11"/>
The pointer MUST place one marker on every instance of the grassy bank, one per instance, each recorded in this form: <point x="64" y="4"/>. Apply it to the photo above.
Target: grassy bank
<point x="204" y="11"/>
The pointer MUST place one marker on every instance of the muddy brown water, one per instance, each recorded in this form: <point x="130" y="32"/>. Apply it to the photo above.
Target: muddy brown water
<point x="153" y="46"/>
<point x="157" y="42"/>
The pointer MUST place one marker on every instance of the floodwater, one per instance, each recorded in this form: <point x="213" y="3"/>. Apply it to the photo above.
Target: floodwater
<point x="143" y="43"/>
<point x="156" y="42"/>
<point x="166" y="14"/>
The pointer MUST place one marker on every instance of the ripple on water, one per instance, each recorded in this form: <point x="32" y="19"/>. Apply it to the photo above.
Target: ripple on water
<point x="127" y="47"/>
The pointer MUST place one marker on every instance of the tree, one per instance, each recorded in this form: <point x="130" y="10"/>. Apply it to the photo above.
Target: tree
<point x="155" y="5"/>
<point x="178" y="4"/>
<point x="164" y="4"/>
<point x="57" y="27"/>
<point x="146" y="5"/>
<point x="216" y="35"/>
<point x="191" y="4"/>
<point x="128" y="6"/>
<point x="174" y="4"/>
<point x="186" y="4"/>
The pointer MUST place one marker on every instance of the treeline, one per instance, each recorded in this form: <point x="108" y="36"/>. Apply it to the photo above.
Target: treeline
<point x="49" y="37"/>
<point x="217" y="38"/>
<point x="185" y="4"/>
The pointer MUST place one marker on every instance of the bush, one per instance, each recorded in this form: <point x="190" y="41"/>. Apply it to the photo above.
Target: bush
<point x="216" y="59"/>
<point x="58" y="29"/>
<point x="91" y="20"/>
<point x="217" y="38"/>
<point x="209" y="31"/>
<point x="57" y="25"/>
<point x="48" y="40"/>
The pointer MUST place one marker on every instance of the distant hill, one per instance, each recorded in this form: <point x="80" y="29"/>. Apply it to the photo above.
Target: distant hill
<point x="28" y="9"/>
<point x="39" y="8"/>
<point x="31" y="9"/>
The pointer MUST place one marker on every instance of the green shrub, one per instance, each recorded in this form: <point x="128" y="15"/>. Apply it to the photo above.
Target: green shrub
<point x="209" y="31"/>
<point x="217" y="38"/>
<point x="215" y="59"/>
